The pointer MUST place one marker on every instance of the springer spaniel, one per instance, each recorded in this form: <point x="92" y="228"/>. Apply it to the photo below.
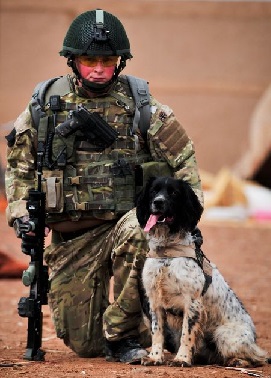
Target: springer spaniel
<point x="185" y="289"/>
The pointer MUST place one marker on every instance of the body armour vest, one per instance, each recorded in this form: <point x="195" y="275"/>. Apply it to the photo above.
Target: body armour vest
<point x="80" y="178"/>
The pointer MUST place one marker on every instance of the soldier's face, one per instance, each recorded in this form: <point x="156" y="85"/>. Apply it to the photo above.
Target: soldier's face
<point x="99" y="73"/>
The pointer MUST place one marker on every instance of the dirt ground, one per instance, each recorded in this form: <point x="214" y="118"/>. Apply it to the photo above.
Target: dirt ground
<point x="240" y="250"/>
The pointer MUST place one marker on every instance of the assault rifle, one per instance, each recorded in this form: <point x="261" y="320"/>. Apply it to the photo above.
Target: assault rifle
<point x="36" y="275"/>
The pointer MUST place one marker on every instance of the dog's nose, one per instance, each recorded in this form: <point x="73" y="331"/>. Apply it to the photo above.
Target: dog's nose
<point x="158" y="202"/>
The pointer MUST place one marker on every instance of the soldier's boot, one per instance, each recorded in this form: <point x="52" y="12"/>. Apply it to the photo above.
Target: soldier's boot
<point x="126" y="350"/>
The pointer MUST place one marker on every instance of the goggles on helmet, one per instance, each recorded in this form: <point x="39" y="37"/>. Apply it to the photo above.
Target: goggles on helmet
<point x="92" y="61"/>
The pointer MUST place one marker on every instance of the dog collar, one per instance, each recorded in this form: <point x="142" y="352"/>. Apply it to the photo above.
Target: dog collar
<point x="164" y="246"/>
<point x="171" y="251"/>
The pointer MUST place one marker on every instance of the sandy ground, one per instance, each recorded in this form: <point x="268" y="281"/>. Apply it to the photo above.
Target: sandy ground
<point x="240" y="250"/>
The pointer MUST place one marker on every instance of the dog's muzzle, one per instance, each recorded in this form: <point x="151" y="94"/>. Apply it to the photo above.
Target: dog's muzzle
<point x="158" y="204"/>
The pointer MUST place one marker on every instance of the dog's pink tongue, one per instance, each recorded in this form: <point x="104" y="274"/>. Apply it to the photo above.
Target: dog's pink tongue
<point x="151" y="222"/>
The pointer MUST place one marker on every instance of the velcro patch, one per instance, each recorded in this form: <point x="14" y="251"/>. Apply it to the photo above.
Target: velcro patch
<point x="173" y="136"/>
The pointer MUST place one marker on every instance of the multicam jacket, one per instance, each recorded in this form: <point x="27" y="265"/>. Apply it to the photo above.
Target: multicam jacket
<point x="82" y="181"/>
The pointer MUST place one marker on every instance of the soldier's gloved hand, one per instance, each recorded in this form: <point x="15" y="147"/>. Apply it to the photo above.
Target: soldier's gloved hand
<point x="23" y="224"/>
<point x="20" y="225"/>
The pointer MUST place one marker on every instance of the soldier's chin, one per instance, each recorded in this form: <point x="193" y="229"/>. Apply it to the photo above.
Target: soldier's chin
<point x="97" y="87"/>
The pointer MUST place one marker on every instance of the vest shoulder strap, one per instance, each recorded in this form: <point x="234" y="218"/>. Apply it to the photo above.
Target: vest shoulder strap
<point x="42" y="93"/>
<point x="140" y="91"/>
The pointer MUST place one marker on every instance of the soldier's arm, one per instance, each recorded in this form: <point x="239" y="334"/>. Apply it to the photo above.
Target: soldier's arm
<point x="20" y="170"/>
<point x="168" y="141"/>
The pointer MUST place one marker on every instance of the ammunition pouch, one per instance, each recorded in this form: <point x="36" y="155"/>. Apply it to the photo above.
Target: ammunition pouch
<point x="105" y="187"/>
<point x="52" y="186"/>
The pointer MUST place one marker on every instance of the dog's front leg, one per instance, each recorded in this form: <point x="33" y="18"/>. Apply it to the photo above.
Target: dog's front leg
<point x="156" y="355"/>
<point x="191" y="332"/>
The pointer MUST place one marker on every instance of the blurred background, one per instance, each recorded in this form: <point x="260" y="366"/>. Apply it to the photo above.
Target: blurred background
<point x="208" y="60"/>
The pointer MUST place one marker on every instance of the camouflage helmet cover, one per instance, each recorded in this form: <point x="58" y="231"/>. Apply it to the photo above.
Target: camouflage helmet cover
<point x="96" y="32"/>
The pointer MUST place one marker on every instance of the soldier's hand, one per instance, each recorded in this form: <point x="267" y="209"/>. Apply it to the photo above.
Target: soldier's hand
<point x="23" y="225"/>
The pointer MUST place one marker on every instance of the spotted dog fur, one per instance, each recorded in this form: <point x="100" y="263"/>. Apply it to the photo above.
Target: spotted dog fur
<point x="213" y="326"/>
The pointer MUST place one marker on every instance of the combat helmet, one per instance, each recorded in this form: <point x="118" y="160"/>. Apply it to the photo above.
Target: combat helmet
<point x="96" y="32"/>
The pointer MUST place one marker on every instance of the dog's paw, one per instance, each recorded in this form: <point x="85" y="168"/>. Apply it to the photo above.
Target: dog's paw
<point x="238" y="362"/>
<point x="178" y="363"/>
<point x="147" y="361"/>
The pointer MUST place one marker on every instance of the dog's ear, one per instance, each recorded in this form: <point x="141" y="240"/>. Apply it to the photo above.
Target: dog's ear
<point x="143" y="203"/>
<point x="191" y="206"/>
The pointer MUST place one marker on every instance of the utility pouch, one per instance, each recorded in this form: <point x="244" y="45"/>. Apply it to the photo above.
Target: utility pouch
<point x="150" y="169"/>
<point x="52" y="185"/>
<point x="124" y="186"/>
<point x="63" y="150"/>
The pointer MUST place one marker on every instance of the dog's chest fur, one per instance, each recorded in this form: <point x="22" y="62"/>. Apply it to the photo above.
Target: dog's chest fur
<point x="170" y="279"/>
<point x="172" y="282"/>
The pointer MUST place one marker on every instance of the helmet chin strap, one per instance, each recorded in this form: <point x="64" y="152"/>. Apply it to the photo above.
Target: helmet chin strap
<point x="96" y="88"/>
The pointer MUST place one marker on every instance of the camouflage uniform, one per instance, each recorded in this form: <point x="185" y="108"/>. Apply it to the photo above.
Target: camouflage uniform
<point x="82" y="261"/>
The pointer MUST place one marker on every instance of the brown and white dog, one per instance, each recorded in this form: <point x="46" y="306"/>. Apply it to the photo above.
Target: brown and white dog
<point x="184" y="288"/>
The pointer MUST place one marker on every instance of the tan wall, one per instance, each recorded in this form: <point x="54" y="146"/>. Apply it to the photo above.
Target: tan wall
<point x="210" y="61"/>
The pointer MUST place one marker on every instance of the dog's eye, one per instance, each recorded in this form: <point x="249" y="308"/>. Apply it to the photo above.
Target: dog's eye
<point x="154" y="191"/>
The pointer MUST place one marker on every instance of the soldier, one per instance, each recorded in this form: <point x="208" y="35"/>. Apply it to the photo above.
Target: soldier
<point x="90" y="183"/>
